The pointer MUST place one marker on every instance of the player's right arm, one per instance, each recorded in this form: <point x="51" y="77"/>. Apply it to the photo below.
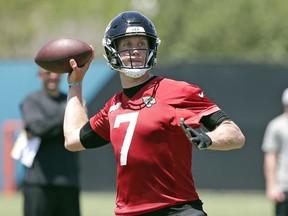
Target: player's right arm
<point x="75" y="113"/>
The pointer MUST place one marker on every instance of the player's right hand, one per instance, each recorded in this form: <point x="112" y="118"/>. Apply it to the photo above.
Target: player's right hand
<point x="78" y="73"/>
<point x="275" y="194"/>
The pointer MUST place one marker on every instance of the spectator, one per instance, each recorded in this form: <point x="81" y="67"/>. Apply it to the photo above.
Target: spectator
<point x="275" y="147"/>
<point x="51" y="184"/>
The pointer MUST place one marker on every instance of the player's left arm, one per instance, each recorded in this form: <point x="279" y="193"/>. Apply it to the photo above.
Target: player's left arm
<point x="223" y="133"/>
<point x="226" y="136"/>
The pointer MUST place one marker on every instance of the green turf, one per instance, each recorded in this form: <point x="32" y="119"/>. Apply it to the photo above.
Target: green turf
<point x="216" y="203"/>
<point x="236" y="203"/>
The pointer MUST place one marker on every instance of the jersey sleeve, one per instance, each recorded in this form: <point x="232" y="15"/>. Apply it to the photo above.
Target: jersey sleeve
<point x="100" y="122"/>
<point x="193" y="105"/>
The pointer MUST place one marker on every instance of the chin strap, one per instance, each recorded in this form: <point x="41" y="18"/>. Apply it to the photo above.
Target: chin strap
<point x="134" y="73"/>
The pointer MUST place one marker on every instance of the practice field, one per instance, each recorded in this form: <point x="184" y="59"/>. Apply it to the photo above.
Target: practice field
<point x="216" y="203"/>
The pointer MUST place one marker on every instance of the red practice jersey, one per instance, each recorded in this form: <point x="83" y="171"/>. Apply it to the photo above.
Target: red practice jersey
<point x="154" y="157"/>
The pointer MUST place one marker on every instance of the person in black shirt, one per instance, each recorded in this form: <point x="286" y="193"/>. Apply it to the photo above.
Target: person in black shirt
<point x="51" y="185"/>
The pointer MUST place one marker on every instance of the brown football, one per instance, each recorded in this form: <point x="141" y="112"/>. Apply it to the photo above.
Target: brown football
<point x="56" y="54"/>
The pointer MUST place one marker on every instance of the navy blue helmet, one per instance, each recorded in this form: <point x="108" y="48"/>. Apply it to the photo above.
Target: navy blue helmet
<point x="130" y="23"/>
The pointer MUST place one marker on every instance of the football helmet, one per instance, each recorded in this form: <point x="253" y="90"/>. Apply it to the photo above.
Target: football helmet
<point x="130" y="23"/>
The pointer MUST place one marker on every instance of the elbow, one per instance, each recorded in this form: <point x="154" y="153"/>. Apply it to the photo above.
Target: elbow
<point x="68" y="146"/>
<point x="72" y="141"/>
<point x="72" y="146"/>
<point x="242" y="144"/>
<point x="241" y="140"/>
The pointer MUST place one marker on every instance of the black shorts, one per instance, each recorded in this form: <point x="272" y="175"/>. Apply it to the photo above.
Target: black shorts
<point x="193" y="208"/>
<point x="51" y="200"/>
<point x="282" y="207"/>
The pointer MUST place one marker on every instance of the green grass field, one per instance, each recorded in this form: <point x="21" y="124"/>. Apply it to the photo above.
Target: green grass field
<point x="216" y="203"/>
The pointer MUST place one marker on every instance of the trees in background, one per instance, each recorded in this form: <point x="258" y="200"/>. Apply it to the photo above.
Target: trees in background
<point x="251" y="30"/>
<point x="190" y="30"/>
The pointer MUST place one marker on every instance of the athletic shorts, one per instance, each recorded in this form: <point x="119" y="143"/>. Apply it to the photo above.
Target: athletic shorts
<point x="51" y="201"/>
<point x="193" y="208"/>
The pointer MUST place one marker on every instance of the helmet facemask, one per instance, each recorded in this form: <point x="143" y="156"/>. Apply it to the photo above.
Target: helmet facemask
<point x="128" y="66"/>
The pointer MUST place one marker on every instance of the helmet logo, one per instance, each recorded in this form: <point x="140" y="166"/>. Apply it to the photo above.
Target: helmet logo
<point x="133" y="29"/>
<point x="108" y="26"/>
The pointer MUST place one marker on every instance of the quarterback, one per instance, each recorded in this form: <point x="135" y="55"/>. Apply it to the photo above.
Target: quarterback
<point x="152" y="123"/>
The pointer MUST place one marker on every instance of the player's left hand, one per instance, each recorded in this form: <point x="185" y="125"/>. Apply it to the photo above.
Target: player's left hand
<point x="199" y="139"/>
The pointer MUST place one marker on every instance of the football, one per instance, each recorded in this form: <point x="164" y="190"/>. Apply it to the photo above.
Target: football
<point x="56" y="54"/>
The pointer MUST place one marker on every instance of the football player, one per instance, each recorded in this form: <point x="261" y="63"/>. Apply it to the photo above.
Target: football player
<point x="150" y="123"/>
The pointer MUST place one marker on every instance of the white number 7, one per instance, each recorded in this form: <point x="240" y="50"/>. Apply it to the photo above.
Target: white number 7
<point x="128" y="117"/>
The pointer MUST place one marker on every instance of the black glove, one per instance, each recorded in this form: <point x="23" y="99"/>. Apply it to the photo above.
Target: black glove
<point x="199" y="140"/>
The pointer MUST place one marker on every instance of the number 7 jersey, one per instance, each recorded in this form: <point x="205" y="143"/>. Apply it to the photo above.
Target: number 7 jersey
<point x="154" y="157"/>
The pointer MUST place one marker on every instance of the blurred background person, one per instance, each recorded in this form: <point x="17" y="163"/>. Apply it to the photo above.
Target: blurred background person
<point x="51" y="184"/>
<point x="275" y="147"/>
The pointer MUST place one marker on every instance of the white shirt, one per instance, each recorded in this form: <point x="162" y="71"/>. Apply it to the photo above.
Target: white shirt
<point x="276" y="139"/>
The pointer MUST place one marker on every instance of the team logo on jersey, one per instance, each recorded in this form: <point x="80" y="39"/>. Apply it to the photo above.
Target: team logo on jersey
<point x="149" y="101"/>
<point x="201" y="95"/>
<point x="114" y="107"/>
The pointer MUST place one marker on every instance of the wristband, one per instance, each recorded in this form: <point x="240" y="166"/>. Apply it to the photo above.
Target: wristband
<point x="74" y="84"/>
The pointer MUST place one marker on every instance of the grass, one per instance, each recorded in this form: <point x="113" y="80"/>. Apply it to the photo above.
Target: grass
<point x="236" y="203"/>
<point x="216" y="203"/>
